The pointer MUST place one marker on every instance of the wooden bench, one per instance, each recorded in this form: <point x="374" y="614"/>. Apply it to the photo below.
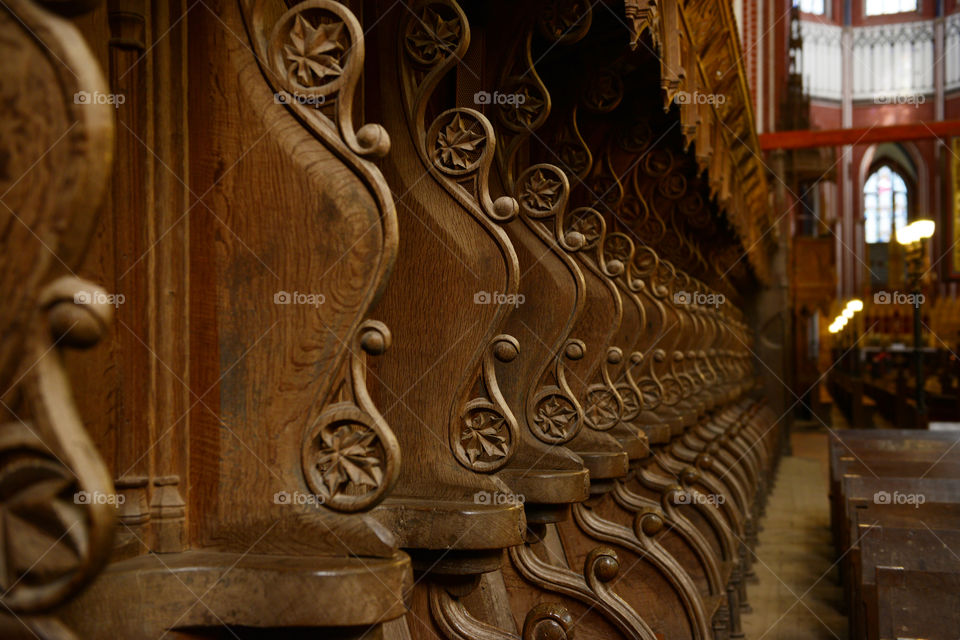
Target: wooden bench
<point x="895" y="514"/>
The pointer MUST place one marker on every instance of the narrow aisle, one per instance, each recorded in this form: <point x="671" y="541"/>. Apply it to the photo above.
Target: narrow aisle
<point x="797" y="596"/>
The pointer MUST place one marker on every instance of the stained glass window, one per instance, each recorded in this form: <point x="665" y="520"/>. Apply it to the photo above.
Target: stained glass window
<point x="884" y="7"/>
<point x="884" y="205"/>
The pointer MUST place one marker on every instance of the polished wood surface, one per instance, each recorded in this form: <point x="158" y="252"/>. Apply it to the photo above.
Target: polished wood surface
<point x="431" y="321"/>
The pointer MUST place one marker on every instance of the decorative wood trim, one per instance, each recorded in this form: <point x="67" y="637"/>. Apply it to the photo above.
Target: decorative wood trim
<point x="600" y="567"/>
<point x="54" y="176"/>
<point x="648" y="523"/>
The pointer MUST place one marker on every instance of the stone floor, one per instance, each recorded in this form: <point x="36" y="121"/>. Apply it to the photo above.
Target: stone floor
<point x="797" y="596"/>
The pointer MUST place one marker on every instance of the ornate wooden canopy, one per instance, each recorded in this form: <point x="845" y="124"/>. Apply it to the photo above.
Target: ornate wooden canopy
<point x="701" y="69"/>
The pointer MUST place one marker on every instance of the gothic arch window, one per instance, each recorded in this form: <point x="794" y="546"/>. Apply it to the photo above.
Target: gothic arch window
<point x="886" y="7"/>
<point x="884" y="205"/>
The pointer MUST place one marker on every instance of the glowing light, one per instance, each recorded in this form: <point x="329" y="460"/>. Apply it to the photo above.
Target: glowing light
<point x="916" y="231"/>
<point x="923" y="229"/>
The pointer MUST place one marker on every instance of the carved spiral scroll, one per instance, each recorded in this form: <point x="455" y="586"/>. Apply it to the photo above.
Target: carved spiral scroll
<point x="572" y="149"/>
<point x="602" y="404"/>
<point x="350" y="456"/>
<point x="56" y="495"/>
<point x="647" y="524"/>
<point x="591" y="588"/>
<point x="545" y="621"/>
<point x="485" y="434"/>
<point x="460" y="143"/>
<point x="548" y="621"/>
<point x="543" y="192"/>
<point x="554" y="414"/>
<point x="54" y="484"/>
<point x="313" y="57"/>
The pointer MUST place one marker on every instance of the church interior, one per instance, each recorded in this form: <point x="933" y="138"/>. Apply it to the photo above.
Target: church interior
<point x="480" y="319"/>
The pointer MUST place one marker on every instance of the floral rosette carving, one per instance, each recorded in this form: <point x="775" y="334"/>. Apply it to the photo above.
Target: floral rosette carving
<point x="632" y="402"/>
<point x="554" y="415"/>
<point x="607" y="188"/>
<point x="530" y="105"/>
<point x="672" y="186"/>
<point x="434" y="34"/>
<point x="694" y="210"/>
<point x="527" y="109"/>
<point x="658" y="162"/>
<point x="313" y="58"/>
<point x="460" y="144"/>
<point x="58" y="500"/>
<point x="543" y="192"/>
<point x="602" y="404"/>
<point x="651" y="228"/>
<point x="651" y="391"/>
<point x="350" y="457"/>
<point x="484" y="433"/>
<point x="618" y="246"/>
<point x="636" y="138"/>
<point x="604" y="91"/>
<point x="589" y="224"/>
<point x="566" y="21"/>
<point x="634" y="208"/>
<point x="645" y="261"/>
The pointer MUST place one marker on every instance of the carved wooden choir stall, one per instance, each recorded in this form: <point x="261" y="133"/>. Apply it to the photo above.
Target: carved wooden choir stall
<point x="414" y="321"/>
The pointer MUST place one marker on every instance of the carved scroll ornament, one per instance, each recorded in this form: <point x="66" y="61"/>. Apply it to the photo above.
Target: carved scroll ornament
<point x="58" y="501"/>
<point x="312" y="55"/>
